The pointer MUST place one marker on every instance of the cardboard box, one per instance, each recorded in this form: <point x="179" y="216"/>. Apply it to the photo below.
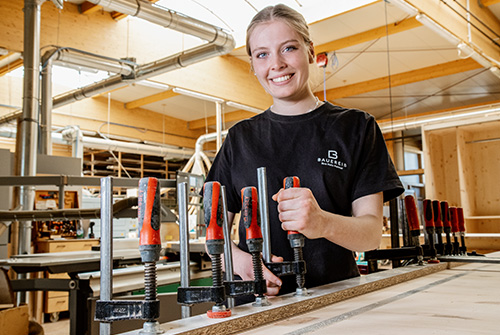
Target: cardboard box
<point x="14" y="321"/>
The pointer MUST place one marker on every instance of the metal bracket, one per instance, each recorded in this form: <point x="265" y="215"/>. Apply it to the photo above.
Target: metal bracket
<point x="116" y="310"/>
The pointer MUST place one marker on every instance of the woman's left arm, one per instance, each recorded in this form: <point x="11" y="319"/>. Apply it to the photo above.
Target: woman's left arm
<point x="299" y="211"/>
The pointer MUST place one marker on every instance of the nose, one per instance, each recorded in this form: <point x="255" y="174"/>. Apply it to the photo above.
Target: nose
<point x="277" y="62"/>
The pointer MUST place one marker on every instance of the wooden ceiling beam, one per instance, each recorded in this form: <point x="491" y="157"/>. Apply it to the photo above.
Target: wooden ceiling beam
<point x="150" y="99"/>
<point x="88" y="7"/>
<point x="489" y="2"/>
<point x="368" y="35"/>
<point x="11" y="66"/>
<point x="399" y="79"/>
<point x="211" y="121"/>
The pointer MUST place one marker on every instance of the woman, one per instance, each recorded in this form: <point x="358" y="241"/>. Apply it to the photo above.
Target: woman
<point x="339" y="155"/>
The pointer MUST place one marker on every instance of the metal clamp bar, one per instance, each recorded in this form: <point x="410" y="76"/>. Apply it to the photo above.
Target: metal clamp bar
<point x="182" y="200"/>
<point x="106" y="246"/>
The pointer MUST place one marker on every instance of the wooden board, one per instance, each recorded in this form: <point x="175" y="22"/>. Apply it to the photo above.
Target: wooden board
<point x="462" y="300"/>
<point x="247" y="317"/>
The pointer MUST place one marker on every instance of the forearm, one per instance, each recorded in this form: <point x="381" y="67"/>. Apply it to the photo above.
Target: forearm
<point x="363" y="230"/>
<point x="299" y="210"/>
<point x="360" y="233"/>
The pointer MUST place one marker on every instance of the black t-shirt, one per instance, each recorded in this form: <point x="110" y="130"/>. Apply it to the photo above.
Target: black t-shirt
<point x="338" y="153"/>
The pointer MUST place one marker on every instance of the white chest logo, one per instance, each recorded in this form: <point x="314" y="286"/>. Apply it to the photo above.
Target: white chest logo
<point x="332" y="160"/>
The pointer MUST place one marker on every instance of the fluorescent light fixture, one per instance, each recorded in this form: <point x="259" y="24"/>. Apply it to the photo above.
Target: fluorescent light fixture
<point x="466" y="51"/>
<point x="152" y="84"/>
<point x="405" y="6"/>
<point x="459" y="115"/>
<point x="244" y="107"/>
<point x="197" y="95"/>
<point x="495" y="70"/>
<point x="431" y="24"/>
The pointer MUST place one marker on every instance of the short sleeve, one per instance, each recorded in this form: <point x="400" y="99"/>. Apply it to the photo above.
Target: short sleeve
<point x="376" y="171"/>
<point x="221" y="172"/>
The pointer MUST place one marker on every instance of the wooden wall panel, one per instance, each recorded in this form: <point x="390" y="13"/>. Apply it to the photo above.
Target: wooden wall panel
<point x="441" y="167"/>
<point x="485" y="159"/>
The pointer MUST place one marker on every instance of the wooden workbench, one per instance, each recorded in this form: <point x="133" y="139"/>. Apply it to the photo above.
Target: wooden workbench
<point x="440" y="298"/>
<point x="462" y="300"/>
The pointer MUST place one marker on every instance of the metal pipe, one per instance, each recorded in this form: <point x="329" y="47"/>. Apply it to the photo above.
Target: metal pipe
<point x="106" y="281"/>
<point x="264" y="214"/>
<point x="228" y="244"/>
<point x="220" y="43"/>
<point x="45" y="145"/>
<point x="166" y="18"/>
<point x="29" y="120"/>
<point x="88" y="60"/>
<point x="218" y="126"/>
<point x="182" y="200"/>
<point x="105" y="85"/>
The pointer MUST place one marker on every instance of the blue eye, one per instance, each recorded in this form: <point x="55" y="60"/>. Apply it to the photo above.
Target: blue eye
<point x="261" y="54"/>
<point x="289" y="48"/>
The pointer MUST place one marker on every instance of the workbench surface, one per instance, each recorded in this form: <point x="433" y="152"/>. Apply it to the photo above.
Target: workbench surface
<point x="462" y="300"/>
<point x="445" y="298"/>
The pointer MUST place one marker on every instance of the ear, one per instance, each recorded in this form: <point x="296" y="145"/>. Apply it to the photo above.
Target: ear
<point x="312" y="55"/>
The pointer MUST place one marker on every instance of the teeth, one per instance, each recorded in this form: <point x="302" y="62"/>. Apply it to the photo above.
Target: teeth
<point x="281" y="79"/>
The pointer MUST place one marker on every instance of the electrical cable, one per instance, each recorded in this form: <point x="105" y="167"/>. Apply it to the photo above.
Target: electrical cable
<point x="389" y="65"/>
<point x="474" y="16"/>
<point x="472" y="24"/>
<point x="347" y="63"/>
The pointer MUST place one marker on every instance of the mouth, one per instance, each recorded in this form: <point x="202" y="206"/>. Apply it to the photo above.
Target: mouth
<point x="282" y="78"/>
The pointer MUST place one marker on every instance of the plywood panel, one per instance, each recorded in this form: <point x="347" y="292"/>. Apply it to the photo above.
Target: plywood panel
<point x="485" y="161"/>
<point x="466" y="180"/>
<point x="482" y="225"/>
<point x="441" y="166"/>
<point x="458" y="301"/>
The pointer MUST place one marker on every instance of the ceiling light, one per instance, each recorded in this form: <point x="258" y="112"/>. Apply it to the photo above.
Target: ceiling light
<point x="197" y="95"/>
<point x="431" y="24"/>
<point x="465" y="51"/>
<point x="244" y="107"/>
<point x="495" y="70"/>
<point x="415" y="121"/>
<point x="403" y="5"/>
<point x="152" y="84"/>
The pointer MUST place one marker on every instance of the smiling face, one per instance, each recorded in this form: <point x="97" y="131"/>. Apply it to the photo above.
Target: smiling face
<point x="280" y="59"/>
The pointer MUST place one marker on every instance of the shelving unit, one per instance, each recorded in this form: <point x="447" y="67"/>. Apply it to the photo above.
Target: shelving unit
<point x="103" y="163"/>
<point x="462" y="165"/>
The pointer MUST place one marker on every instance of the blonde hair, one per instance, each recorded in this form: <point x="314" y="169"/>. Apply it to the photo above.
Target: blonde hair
<point x="279" y="12"/>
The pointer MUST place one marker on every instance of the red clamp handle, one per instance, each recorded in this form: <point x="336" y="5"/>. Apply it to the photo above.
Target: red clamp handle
<point x="213" y="210"/>
<point x="290" y="182"/>
<point x="249" y="212"/>
<point x="461" y="219"/>
<point x="428" y="213"/>
<point x="149" y="212"/>
<point x="436" y="209"/>
<point x="412" y="214"/>
<point x="250" y="217"/>
<point x="445" y="214"/>
<point x="454" y="219"/>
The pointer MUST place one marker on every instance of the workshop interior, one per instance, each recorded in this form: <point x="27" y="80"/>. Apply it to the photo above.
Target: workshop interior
<point x="111" y="115"/>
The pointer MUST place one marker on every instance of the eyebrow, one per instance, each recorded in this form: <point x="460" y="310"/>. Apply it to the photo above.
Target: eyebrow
<point x="293" y="40"/>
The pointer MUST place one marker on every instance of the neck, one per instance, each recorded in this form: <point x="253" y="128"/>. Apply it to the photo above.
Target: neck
<point x="296" y="107"/>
